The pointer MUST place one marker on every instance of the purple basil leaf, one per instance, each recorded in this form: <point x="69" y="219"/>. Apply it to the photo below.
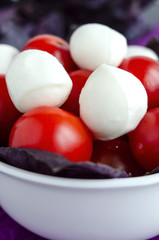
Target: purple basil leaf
<point x="52" y="23"/>
<point x="39" y="161"/>
<point x="155" y="170"/>
<point x="49" y="163"/>
<point x="153" y="44"/>
<point x="90" y="170"/>
<point x="22" y="19"/>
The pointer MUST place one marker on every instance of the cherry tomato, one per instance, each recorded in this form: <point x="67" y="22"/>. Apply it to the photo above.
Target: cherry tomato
<point x="144" y="140"/>
<point x="116" y="153"/>
<point x="55" y="46"/>
<point x="147" y="71"/>
<point x="79" y="78"/>
<point x="55" y="130"/>
<point x="8" y="113"/>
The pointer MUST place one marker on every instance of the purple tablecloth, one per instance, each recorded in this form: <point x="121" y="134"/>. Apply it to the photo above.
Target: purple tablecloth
<point x="10" y="230"/>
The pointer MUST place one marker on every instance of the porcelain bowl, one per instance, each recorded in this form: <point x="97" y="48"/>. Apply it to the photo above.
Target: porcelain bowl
<point x="73" y="209"/>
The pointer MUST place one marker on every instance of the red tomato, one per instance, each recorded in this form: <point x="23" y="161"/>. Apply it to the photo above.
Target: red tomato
<point x="116" y="153"/>
<point x="79" y="78"/>
<point x="55" y="46"/>
<point x="55" y="130"/>
<point x="8" y="113"/>
<point x="144" y="140"/>
<point x="147" y="71"/>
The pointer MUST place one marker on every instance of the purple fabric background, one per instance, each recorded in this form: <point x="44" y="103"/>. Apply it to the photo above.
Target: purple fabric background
<point x="9" y="229"/>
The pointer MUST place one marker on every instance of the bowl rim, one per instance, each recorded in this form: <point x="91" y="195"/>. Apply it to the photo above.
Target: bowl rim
<point x="37" y="178"/>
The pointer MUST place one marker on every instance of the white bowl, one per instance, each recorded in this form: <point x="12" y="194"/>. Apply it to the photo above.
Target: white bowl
<point x="73" y="209"/>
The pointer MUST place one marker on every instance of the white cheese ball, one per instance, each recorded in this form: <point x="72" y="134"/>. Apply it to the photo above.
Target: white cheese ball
<point x="36" y="78"/>
<point x="7" y="53"/>
<point x="134" y="50"/>
<point x="93" y="44"/>
<point x="112" y="102"/>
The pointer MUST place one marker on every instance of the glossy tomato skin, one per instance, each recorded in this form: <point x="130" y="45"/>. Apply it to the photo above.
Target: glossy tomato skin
<point x="147" y="71"/>
<point x="55" y="130"/>
<point x="79" y="78"/>
<point x="55" y="46"/>
<point x="116" y="153"/>
<point x="8" y="113"/>
<point x="144" y="140"/>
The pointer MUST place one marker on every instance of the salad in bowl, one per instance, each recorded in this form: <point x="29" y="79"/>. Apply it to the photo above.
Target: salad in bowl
<point x="80" y="155"/>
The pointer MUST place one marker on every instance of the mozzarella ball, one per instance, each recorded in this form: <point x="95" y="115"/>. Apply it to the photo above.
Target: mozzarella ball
<point x="93" y="44"/>
<point x="7" y="53"/>
<point x="36" y="78"/>
<point x="134" y="50"/>
<point x="112" y="102"/>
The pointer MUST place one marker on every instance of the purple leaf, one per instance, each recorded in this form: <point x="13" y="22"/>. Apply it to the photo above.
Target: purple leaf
<point x="49" y="163"/>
